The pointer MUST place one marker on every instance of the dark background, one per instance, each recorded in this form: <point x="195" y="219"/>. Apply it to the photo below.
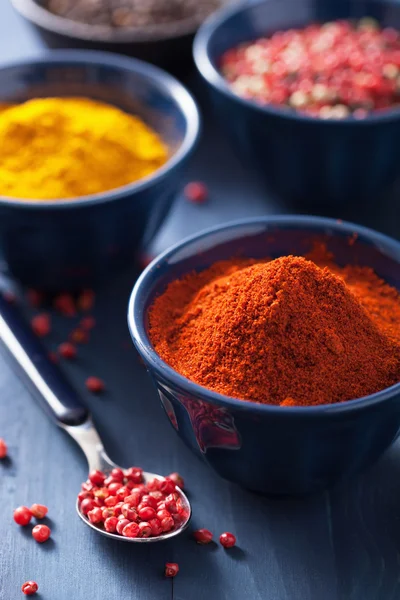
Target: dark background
<point x="342" y="545"/>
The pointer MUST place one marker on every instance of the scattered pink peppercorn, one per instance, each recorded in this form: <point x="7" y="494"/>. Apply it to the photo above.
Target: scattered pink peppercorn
<point x="171" y="569"/>
<point x="177" y="479"/>
<point x="65" y="305"/>
<point x="67" y="350"/>
<point x="3" y="448"/>
<point x="29" y="588"/>
<point x="196" y="192"/>
<point x="95" y="385"/>
<point x="86" y="300"/>
<point x="227" y="540"/>
<point x="41" y="325"/>
<point x="203" y="536"/>
<point x="88" y="323"/>
<point x="79" y="336"/>
<point x="22" y="515"/>
<point x="41" y="533"/>
<point x="39" y="511"/>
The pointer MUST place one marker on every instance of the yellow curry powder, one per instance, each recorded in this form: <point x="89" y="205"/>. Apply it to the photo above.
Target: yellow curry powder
<point x="67" y="147"/>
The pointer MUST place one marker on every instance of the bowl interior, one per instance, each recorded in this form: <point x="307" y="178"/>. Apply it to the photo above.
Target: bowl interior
<point x="37" y="11"/>
<point x="136" y="88"/>
<point x="253" y="21"/>
<point x="258" y="239"/>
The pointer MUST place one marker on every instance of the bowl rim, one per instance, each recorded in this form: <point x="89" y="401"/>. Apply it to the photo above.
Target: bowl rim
<point x="44" y="18"/>
<point x="166" y="84"/>
<point x="136" y="320"/>
<point x="214" y="78"/>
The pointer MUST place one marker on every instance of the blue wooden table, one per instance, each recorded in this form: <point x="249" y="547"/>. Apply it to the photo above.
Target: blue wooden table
<point x="343" y="545"/>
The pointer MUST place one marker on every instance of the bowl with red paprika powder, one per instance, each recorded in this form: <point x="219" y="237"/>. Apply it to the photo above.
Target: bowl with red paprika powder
<point x="274" y="344"/>
<point x="309" y="94"/>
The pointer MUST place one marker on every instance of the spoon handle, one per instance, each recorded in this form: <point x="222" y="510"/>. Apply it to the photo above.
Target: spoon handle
<point x="51" y="388"/>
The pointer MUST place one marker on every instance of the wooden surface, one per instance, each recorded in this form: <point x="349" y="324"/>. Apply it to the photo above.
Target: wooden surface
<point x="343" y="545"/>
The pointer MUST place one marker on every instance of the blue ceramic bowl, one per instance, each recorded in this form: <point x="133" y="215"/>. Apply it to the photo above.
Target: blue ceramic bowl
<point x="271" y="449"/>
<point x="306" y="161"/>
<point x="67" y="244"/>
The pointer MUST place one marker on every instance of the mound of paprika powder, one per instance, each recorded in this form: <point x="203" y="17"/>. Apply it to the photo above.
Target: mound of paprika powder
<point x="286" y="331"/>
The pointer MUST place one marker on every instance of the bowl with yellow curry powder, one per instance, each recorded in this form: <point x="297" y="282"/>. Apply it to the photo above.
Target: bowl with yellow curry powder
<point x="92" y="147"/>
<point x="274" y="344"/>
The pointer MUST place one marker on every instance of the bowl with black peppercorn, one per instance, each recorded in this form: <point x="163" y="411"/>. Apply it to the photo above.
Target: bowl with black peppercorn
<point x="153" y="30"/>
<point x="274" y="345"/>
<point x="310" y="94"/>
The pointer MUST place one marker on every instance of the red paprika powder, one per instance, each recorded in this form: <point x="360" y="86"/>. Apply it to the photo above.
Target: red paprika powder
<point x="287" y="331"/>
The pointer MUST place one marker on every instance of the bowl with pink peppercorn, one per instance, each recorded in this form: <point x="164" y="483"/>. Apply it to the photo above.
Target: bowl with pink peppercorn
<point x="309" y="92"/>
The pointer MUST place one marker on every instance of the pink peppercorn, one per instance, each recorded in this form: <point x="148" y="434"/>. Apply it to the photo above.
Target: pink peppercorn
<point x="86" y="300"/>
<point x="129" y="512"/>
<point x="67" y="351"/>
<point x="328" y="71"/>
<point x="118" y="474"/>
<point x="22" y="515"/>
<point x="156" y="528"/>
<point x="149" y="500"/>
<point x="79" y="336"/>
<point x="122" y="523"/>
<point x="145" y="529"/>
<point x="134" y="474"/>
<point x="88" y="323"/>
<point x="87" y="505"/>
<point x="41" y="533"/>
<point x="196" y="192"/>
<point x="3" y="448"/>
<point x="39" y="511"/>
<point x="203" y="536"/>
<point x="146" y="513"/>
<point x="227" y="540"/>
<point x="131" y="530"/>
<point x="177" y="479"/>
<point x="171" y="569"/>
<point x="170" y="503"/>
<point x="29" y="588"/>
<point x="95" y="515"/>
<point x="110" y="524"/>
<point x="95" y="385"/>
<point x="65" y="305"/>
<point x="167" y="486"/>
<point x="111" y="501"/>
<point x="167" y="524"/>
<point x="97" y="477"/>
<point x="41" y="325"/>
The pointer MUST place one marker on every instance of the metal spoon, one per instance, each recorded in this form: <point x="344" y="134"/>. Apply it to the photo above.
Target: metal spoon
<point x="63" y="405"/>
